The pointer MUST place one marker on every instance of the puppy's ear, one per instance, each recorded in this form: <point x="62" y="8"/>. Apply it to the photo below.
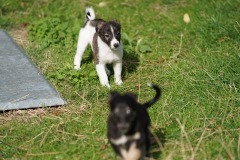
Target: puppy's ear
<point x="134" y="96"/>
<point x="117" y="23"/>
<point x="99" y="26"/>
<point x="113" y="94"/>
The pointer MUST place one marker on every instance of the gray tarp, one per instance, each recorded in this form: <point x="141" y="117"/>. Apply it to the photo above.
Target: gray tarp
<point x="21" y="83"/>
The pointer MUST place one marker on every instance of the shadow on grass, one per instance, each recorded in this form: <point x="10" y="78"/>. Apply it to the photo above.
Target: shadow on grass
<point x="87" y="56"/>
<point x="130" y="62"/>
<point x="158" y="140"/>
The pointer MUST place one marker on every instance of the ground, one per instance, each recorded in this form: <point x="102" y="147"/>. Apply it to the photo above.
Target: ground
<point x="196" y="64"/>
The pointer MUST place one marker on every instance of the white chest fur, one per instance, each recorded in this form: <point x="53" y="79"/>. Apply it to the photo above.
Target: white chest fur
<point x="124" y="139"/>
<point x="108" y="55"/>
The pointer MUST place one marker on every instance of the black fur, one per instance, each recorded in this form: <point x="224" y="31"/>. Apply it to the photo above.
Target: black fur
<point x="104" y="31"/>
<point x="128" y="117"/>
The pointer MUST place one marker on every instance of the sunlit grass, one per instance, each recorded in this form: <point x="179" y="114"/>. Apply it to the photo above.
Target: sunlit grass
<point x="196" y="63"/>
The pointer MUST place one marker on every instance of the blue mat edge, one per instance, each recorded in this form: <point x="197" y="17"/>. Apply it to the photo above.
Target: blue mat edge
<point x="59" y="101"/>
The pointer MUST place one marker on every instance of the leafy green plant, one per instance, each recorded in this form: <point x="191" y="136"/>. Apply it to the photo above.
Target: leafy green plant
<point x="142" y="46"/>
<point x="51" y="31"/>
<point x="77" y="78"/>
<point x="139" y="46"/>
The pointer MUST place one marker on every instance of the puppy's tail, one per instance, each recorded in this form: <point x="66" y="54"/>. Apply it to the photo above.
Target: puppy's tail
<point x="90" y="14"/>
<point x="157" y="96"/>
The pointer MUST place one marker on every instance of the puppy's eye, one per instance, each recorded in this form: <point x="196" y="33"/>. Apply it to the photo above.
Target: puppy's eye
<point x="128" y="111"/>
<point x="107" y="35"/>
<point x="118" y="33"/>
<point x="116" y="111"/>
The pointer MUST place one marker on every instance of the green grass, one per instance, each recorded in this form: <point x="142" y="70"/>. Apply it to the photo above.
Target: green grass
<point x="198" y="116"/>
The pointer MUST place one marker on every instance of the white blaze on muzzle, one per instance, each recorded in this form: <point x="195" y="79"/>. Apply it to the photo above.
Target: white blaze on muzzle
<point x="114" y="42"/>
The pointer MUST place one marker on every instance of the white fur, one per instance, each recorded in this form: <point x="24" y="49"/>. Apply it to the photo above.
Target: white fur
<point x="132" y="154"/>
<point x="85" y="37"/>
<point x="124" y="139"/>
<point x="102" y="75"/>
<point x="106" y="54"/>
<point x="114" y="40"/>
<point x="92" y="13"/>
<point x="117" y="67"/>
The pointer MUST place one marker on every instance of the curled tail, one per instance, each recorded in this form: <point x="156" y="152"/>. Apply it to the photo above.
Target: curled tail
<point x="90" y="14"/>
<point x="156" y="97"/>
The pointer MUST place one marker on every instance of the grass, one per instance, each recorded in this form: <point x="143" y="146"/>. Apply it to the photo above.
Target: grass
<point x="198" y="115"/>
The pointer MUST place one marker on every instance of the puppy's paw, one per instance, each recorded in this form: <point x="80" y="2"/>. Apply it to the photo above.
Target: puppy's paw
<point x="106" y="85"/>
<point x="77" y="67"/>
<point x="119" y="82"/>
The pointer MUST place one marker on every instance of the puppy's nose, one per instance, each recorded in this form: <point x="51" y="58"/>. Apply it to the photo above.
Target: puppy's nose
<point x="116" y="45"/>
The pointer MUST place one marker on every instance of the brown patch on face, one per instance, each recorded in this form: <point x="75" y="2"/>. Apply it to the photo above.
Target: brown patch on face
<point x="108" y="31"/>
<point x="98" y="24"/>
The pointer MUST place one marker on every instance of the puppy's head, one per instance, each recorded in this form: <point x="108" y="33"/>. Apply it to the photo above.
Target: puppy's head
<point x="110" y="33"/>
<point x="122" y="111"/>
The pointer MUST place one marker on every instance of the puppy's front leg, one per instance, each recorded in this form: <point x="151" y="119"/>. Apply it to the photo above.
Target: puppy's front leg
<point x="117" y="67"/>
<point x="81" y="46"/>
<point x="102" y="75"/>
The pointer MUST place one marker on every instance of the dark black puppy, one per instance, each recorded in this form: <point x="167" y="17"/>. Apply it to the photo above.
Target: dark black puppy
<point x="128" y="124"/>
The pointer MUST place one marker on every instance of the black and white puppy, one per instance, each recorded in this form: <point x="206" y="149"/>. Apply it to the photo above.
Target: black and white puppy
<point x="105" y="40"/>
<point x="128" y="124"/>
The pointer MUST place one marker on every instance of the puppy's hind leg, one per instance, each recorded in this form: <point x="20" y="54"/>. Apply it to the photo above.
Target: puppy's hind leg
<point x="81" y="46"/>
<point x="107" y="70"/>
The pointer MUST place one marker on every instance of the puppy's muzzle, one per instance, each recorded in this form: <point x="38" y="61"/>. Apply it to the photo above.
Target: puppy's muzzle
<point x="115" y="45"/>
<point x="123" y="127"/>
